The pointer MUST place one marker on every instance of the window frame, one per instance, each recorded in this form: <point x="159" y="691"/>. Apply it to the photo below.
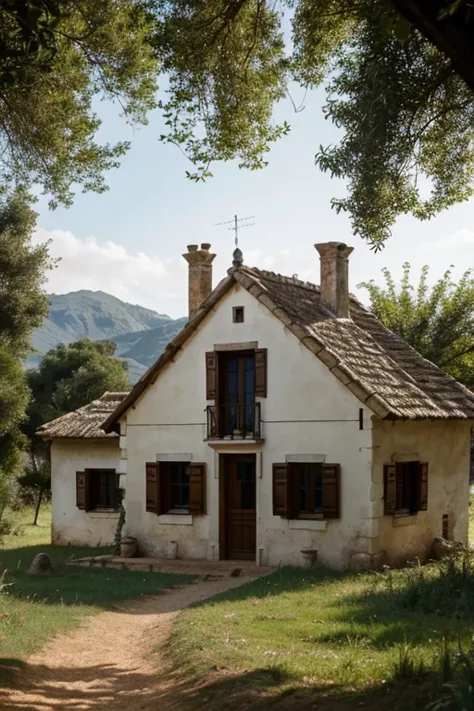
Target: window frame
<point x="286" y="491"/>
<point x="405" y="488"/>
<point x="314" y="470"/>
<point x="238" y="314"/>
<point x="177" y="508"/>
<point x="95" y="489"/>
<point x="158" y="488"/>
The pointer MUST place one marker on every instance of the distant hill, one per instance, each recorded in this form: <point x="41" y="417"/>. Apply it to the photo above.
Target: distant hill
<point x="141" y="334"/>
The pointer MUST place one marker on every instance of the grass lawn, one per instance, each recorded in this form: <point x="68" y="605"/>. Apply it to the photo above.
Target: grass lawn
<point x="298" y="634"/>
<point x="33" y="608"/>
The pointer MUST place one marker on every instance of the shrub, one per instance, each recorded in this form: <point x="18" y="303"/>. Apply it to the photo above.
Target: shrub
<point x="444" y="587"/>
<point x="457" y="676"/>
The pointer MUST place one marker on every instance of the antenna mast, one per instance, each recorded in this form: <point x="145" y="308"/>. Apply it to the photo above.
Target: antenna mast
<point x="238" y="223"/>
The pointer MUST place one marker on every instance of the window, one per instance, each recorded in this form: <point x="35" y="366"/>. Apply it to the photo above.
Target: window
<point x="405" y="488"/>
<point x="306" y="490"/>
<point x="97" y="489"/>
<point x="179" y="475"/>
<point x="175" y="487"/>
<point x="238" y="314"/>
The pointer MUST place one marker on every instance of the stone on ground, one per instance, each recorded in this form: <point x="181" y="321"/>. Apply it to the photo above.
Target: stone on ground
<point x="41" y="565"/>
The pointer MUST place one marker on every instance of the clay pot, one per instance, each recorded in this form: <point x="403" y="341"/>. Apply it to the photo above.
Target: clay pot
<point x="128" y="547"/>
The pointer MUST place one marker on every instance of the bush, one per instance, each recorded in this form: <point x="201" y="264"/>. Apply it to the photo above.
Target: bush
<point x="457" y="680"/>
<point x="444" y="587"/>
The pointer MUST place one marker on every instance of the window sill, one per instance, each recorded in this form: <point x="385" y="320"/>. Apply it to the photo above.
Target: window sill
<point x="307" y="524"/>
<point x="404" y="520"/>
<point x="103" y="513"/>
<point x="176" y="518"/>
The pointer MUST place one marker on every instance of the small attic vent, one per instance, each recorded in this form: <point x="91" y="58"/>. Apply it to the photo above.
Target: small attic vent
<point x="238" y="314"/>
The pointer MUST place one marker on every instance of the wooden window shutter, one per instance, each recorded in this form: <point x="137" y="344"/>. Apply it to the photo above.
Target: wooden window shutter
<point x="83" y="491"/>
<point x="261" y="372"/>
<point x="423" y="479"/>
<point x="211" y="375"/>
<point x="153" y="498"/>
<point x="281" y="490"/>
<point x="331" y="490"/>
<point x="390" y="488"/>
<point x="197" y="489"/>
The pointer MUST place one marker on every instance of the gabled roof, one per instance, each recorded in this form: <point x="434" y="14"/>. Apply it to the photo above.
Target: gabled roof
<point x="86" y="422"/>
<point x="382" y="371"/>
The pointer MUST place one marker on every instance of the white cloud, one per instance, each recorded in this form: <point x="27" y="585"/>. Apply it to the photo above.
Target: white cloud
<point x="137" y="278"/>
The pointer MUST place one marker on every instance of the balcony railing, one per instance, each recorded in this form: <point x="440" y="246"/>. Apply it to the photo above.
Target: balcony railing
<point x="234" y="422"/>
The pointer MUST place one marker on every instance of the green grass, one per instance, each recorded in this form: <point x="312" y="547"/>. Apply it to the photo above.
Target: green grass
<point x="303" y="630"/>
<point x="34" y="608"/>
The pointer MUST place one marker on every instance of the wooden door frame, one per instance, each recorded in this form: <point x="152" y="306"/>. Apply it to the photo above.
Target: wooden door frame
<point x="223" y="553"/>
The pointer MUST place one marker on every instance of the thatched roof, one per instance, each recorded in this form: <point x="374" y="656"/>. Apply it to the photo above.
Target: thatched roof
<point x="84" y="423"/>
<point x="383" y="371"/>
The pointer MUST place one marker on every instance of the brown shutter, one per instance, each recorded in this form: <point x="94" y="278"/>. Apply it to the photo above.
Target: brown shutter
<point x="153" y="498"/>
<point x="331" y="490"/>
<point x="280" y="490"/>
<point x="211" y="375"/>
<point x="261" y="372"/>
<point x="83" y="491"/>
<point x="197" y="489"/>
<point x="390" y="488"/>
<point x="423" y="479"/>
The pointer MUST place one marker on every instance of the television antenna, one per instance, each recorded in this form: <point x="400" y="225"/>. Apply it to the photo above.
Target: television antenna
<point x="238" y="223"/>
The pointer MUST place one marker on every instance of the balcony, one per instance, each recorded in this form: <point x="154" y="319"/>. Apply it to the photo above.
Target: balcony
<point x="234" y="422"/>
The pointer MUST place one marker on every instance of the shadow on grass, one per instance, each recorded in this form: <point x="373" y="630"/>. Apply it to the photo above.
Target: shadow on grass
<point x="70" y="585"/>
<point x="114" y="688"/>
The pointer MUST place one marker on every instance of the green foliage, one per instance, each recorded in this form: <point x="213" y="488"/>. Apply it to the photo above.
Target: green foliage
<point x="120" y="523"/>
<point x="442" y="588"/>
<point x="437" y="322"/>
<point x="70" y="376"/>
<point x="56" y="58"/>
<point x="227" y="67"/>
<point x="406" y="117"/>
<point x="23" y="305"/>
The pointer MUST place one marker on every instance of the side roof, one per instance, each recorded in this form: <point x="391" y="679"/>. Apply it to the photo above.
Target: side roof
<point x="86" y="422"/>
<point x="377" y="366"/>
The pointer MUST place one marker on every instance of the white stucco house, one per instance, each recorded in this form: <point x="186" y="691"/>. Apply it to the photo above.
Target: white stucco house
<point x="283" y="418"/>
<point x="85" y="462"/>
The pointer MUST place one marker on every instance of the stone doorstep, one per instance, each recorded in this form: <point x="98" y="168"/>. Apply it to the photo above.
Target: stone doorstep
<point x="204" y="569"/>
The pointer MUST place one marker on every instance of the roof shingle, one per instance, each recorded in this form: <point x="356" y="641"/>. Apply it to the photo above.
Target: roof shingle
<point x="84" y="423"/>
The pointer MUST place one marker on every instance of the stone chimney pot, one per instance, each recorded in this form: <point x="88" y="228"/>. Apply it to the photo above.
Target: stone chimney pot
<point x="200" y="275"/>
<point x="334" y="259"/>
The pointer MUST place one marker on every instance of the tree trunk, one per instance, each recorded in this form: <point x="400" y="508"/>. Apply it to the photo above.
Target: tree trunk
<point x="38" y="504"/>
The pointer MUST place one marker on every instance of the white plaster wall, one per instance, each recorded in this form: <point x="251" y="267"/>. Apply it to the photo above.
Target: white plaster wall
<point x="446" y="448"/>
<point x="71" y="525"/>
<point x="307" y="411"/>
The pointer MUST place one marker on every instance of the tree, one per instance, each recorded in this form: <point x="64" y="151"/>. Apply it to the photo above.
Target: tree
<point x="55" y="58"/>
<point x="437" y="322"/>
<point x="68" y="377"/>
<point x="23" y="305"/>
<point x="407" y="117"/>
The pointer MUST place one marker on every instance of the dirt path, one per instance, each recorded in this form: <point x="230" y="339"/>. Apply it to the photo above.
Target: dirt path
<point x="109" y="662"/>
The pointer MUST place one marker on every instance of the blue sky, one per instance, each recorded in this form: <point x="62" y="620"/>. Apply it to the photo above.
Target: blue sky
<point x="129" y="240"/>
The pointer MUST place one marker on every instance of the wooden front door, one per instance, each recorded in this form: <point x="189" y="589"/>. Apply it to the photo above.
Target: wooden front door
<point x="238" y="519"/>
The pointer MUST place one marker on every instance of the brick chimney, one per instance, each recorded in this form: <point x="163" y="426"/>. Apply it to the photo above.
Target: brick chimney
<point x="334" y="258"/>
<point x="200" y="275"/>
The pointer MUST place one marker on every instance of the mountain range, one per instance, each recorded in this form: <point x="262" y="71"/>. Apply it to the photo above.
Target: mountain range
<point x="141" y="334"/>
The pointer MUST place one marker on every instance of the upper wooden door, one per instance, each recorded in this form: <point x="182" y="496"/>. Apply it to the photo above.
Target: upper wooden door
<point x="239" y="518"/>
